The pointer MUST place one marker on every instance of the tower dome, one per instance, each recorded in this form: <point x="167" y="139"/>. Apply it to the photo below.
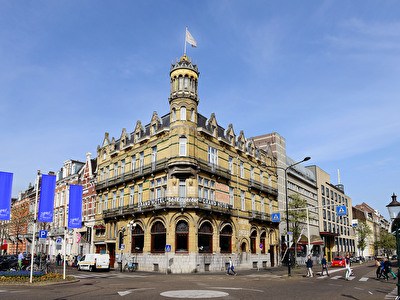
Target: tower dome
<point x="184" y="77"/>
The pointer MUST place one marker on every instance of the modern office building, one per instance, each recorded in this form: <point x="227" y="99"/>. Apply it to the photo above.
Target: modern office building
<point x="300" y="181"/>
<point x="336" y="231"/>
<point x="183" y="194"/>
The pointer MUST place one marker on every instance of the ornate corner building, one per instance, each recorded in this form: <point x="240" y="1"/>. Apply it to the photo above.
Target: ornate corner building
<point x="182" y="194"/>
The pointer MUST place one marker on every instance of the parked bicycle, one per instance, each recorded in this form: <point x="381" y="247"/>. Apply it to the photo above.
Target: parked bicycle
<point x="46" y="267"/>
<point x="130" y="266"/>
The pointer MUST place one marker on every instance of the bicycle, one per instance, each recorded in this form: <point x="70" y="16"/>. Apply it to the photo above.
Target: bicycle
<point x="46" y="267"/>
<point x="130" y="266"/>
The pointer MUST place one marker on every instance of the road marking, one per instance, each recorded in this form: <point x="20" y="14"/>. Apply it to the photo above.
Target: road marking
<point x="233" y="288"/>
<point x="127" y="292"/>
<point x="363" y="279"/>
<point x="194" y="294"/>
<point x="336" y="277"/>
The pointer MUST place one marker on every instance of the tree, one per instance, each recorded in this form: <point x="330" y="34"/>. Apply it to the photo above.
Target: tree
<point x="18" y="225"/>
<point x="297" y="217"/>
<point x="363" y="233"/>
<point x="387" y="242"/>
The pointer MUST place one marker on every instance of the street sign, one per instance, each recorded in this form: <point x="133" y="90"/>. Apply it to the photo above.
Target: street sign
<point x="42" y="234"/>
<point x="276" y="217"/>
<point x="341" y="210"/>
<point x="168" y="248"/>
<point x="122" y="247"/>
<point x="59" y="240"/>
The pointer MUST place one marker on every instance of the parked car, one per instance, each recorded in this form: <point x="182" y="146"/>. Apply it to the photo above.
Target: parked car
<point x="357" y="259"/>
<point x="8" y="262"/>
<point x="338" y="261"/>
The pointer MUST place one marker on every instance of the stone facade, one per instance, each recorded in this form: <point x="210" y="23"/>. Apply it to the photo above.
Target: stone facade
<point x="183" y="194"/>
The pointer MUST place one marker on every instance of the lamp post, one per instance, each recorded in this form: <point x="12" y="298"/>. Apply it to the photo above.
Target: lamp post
<point x="131" y="226"/>
<point x="287" y="209"/>
<point x="394" y="211"/>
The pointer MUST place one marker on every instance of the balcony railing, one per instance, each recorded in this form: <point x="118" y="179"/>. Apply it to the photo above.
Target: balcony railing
<point x="262" y="187"/>
<point x="170" y="203"/>
<point x="161" y="165"/>
<point x="132" y="175"/>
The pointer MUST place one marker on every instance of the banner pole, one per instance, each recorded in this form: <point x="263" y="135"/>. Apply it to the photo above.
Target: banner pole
<point x="34" y="225"/>
<point x="65" y="231"/>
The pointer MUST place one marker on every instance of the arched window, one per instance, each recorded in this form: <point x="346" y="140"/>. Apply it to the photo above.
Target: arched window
<point x="137" y="239"/>
<point x="205" y="238"/>
<point x="182" y="237"/>
<point x="183" y="113"/>
<point x="225" y="239"/>
<point x="182" y="146"/>
<point x="180" y="79"/>
<point x="253" y="245"/>
<point x="158" y="238"/>
<point x="186" y="83"/>
<point x="173" y="117"/>
<point x="262" y="242"/>
<point x="192" y="115"/>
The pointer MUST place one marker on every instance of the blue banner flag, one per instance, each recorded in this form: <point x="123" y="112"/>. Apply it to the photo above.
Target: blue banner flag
<point x="5" y="195"/>
<point x="75" y="206"/>
<point x="46" y="202"/>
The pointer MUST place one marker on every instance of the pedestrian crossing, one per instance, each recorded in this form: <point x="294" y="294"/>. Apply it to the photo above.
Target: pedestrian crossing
<point x="337" y="277"/>
<point x="107" y="275"/>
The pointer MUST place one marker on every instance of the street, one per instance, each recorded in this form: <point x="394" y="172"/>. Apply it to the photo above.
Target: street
<point x="249" y="284"/>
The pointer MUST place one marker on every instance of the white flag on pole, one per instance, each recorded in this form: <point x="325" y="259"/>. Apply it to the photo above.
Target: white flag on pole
<point x="190" y="39"/>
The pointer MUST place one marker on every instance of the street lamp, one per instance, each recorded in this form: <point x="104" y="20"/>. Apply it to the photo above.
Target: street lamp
<point x="287" y="208"/>
<point x="394" y="211"/>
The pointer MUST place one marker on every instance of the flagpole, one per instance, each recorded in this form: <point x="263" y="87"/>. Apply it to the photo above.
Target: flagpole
<point x="34" y="225"/>
<point x="184" y="51"/>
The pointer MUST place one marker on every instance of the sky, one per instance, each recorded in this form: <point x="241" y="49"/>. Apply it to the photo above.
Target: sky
<point x="323" y="74"/>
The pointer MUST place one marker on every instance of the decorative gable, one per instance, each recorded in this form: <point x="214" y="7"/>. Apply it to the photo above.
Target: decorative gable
<point x="241" y="141"/>
<point x="212" y="125"/>
<point x="155" y="123"/>
<point x="139" y="131"/>
<point x="230" y="135"/>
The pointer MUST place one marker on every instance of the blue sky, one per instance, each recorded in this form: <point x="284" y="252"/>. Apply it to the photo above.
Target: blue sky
<point x="323" y="74"/>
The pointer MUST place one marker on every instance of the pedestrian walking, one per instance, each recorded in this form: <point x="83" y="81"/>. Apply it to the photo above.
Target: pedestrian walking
<point x="309" y="265"/>
<point x="347" y="264"/>
<point x="387" y="269"/>
<point x="231" y="268"/>
<point x="20" y="259"/>
<point x="324" y="264"/>
<point x="379" y="268"/>
<point x="58" y="259"/>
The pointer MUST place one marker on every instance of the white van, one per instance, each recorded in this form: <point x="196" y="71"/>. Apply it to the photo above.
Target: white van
<point x="96" y="261"/>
